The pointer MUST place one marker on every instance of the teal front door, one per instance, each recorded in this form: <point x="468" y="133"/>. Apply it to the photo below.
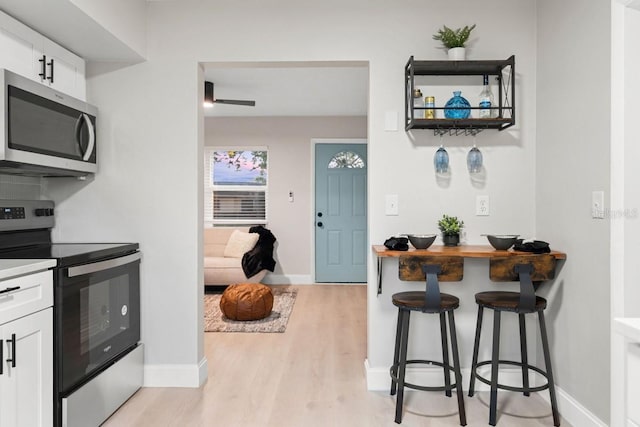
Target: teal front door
<point x="341" y="213"/>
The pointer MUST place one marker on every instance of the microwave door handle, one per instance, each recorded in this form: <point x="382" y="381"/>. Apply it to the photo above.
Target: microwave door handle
<point x="92" y="137"/>
<point x="84" y="119"/>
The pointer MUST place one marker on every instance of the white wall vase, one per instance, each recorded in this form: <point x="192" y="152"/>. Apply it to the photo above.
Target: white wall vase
<point x="456" y="54"/>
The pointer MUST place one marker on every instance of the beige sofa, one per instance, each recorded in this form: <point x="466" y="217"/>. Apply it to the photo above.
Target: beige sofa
<point x="218" y="268"/>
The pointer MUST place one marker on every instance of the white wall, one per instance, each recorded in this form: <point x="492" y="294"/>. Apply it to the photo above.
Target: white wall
<point x="631" y="211"/>
<point x="625" y="198"/>
<point x="289" y="142"/>
<point x="573" y="87"/>
<point x="149" y="188"/>
<point x="125" y="19"/>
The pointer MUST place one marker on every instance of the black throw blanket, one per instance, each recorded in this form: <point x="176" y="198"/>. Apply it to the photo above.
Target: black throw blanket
<point x="261" y="256"/>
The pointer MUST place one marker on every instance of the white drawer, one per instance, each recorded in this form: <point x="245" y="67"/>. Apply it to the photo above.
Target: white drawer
<point x="34" y="293"/>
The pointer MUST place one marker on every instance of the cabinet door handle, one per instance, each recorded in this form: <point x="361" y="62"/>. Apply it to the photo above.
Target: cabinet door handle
<point x="50" y="64"/>
<point x="6" y="290"/>
<point x="13" y="350"/>
<point x="1" y="355"/>
<point x="43" y="67"/>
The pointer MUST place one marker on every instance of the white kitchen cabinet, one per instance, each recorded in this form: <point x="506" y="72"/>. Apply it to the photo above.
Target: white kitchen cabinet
<point x="625" y="386"/>
<point x="633" y="386"/>
<point x="27" y="388"/>
<point x="28" y="53"/>
<point x="26" y="347"/>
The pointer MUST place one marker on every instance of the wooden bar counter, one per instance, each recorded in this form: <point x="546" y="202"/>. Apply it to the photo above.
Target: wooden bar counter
<point x="461" y="251"/>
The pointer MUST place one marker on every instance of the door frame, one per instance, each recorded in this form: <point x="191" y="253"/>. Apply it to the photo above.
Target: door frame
<point x="312" y="208"/>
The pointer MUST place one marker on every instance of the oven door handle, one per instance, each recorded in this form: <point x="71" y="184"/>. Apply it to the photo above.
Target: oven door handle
<point x="103" y="265"/>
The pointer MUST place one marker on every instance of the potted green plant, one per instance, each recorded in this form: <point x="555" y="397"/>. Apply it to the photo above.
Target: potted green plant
<point x="454" y="40"/>
<point x="450" y="227"/>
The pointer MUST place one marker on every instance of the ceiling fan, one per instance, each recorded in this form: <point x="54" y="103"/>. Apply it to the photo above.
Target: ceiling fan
<point x="209" y="99"/>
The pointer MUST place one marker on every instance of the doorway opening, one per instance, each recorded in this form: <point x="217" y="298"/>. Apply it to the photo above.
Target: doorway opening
<point x="295" y="102"/>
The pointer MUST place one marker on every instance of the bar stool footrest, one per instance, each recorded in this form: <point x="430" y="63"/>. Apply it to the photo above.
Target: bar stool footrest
<point x="508" y="387"/>
<point x="394" y="369"/>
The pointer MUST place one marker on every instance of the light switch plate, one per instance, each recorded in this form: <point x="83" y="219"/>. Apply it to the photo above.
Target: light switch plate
<point x="391" y="121"/>
<point x="391" y="204"/>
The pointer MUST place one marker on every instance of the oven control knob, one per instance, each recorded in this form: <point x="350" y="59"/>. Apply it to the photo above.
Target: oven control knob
<point x="44" y="212"/>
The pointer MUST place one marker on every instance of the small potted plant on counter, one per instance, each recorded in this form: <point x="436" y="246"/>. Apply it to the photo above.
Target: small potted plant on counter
<point x="454" y="40"/>
<point x="450" y="227"/>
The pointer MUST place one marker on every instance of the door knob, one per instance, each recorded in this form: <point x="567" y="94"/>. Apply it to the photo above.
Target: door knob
<point x="319" y="214"/>
<point x="320" y="224"/>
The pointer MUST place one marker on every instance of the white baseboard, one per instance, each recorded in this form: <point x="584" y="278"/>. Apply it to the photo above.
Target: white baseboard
<point x="287" y="279"/>
<point x="176" y="375"/>
<point x="570" y="409"/>
<point x="296" y="279"/>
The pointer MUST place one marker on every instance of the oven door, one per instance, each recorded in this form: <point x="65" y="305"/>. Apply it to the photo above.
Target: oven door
<point x="97" y="317"/>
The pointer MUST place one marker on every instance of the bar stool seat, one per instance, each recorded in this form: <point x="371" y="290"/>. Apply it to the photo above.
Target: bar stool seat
<point x="414" y="300"/>
<point x="521" y="303"/>
<point x="428" y="301"/>
<point x="506" y="301"/>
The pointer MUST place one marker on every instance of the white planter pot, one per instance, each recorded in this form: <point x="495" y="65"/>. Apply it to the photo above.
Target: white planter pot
<point x="456" y="53"/>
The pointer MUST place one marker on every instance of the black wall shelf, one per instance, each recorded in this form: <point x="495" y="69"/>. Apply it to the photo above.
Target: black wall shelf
<point x="504" y="72"/>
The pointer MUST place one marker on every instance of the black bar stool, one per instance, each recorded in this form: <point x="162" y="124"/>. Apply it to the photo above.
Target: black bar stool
<point x="429" y="301"/>
<point x="526" y="269"/>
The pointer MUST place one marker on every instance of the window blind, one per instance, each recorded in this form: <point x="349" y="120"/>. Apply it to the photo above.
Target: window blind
<point x="232" y="204"/>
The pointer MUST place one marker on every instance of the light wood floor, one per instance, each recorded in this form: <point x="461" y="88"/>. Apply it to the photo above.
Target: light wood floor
<point x="311" y="375"/>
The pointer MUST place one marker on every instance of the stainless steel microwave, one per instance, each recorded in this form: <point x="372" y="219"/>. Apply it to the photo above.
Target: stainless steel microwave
<point x="45" y="132"/>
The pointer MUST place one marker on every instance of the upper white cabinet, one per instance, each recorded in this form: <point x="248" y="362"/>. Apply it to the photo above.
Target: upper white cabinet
<point x="27" y="52"/>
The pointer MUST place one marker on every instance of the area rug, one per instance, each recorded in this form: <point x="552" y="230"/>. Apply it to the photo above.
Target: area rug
<point x="215" y="321"/>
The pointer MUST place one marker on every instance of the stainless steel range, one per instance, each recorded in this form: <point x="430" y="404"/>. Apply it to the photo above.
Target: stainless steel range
<point x="98" y="359"/>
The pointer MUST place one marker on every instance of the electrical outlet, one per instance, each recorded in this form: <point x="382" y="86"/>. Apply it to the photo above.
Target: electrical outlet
<point x="482" y="205"/>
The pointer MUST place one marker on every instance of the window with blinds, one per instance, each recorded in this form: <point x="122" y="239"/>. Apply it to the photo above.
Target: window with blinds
<point x="236" y="186"/>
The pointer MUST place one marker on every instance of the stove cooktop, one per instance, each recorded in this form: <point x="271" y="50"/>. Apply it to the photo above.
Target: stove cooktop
<point x="68" y="254"/>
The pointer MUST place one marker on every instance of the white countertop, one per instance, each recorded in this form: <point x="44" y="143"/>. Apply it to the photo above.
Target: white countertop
<point x="628" y="326"/>
<point x="19" y="267"/>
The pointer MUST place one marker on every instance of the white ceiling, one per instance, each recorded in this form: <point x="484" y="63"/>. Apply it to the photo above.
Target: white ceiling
<point x="290" y="89"/>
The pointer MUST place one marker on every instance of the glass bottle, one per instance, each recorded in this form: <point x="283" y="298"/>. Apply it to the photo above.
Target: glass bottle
<point x="486" y="99"/>
<point x="457" y="107"/>
<point x="430" y="105"/>
<point x="418" y="104"/>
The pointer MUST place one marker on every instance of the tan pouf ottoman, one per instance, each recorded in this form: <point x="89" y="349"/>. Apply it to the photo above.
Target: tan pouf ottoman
<point x="246" y="301"/>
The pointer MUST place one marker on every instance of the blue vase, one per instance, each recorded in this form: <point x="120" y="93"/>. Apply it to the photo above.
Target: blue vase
<point x="474" y="160"/>
<point x="457" y="107"/>
<point x="441" y="160"/>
